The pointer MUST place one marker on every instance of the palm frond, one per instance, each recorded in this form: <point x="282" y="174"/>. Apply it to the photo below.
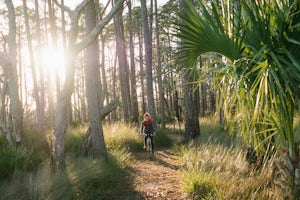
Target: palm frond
<point x="203" y="32"/>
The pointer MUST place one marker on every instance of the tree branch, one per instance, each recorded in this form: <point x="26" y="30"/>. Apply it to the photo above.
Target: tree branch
<point x="74" y="14"/>
<point x="98" y="28"/>
<point x="109" y="108"/>
<point x="104" y="9"/>
<point x="81" y="6"/>
<point x="65" y="8"/>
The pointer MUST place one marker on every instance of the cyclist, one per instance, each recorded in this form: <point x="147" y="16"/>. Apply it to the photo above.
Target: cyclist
<point x="147" y="128"/>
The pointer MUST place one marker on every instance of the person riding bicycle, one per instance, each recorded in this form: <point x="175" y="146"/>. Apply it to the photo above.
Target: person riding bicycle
<point x="147" y="128"/>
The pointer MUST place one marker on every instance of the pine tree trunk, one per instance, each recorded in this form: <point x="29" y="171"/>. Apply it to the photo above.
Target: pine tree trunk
<point x="191" y="102"/>
<point x="134" y="101"/>
<point x="123" y="64"/>
<point x="148" y="57"/>
<point x="41" y="110"/>
<point x="159" y="72"/>
<point x="142" y="75"/>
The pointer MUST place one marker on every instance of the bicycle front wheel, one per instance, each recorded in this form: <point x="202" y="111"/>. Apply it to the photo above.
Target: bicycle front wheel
<point x="149" y="148"/>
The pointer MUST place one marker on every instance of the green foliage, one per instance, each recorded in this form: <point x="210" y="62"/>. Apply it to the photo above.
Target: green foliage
<point x="12" y="159"/>
<point x="258" y="69"/>
<point x="37" y="147"/>
<point x="74" y="137"/>
<point x="162" y="139"/>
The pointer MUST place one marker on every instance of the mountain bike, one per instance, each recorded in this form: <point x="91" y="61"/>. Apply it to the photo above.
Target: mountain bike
<point x="149" y="146"/>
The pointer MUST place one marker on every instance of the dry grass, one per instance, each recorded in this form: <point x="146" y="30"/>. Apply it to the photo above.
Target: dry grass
<point x="214" y="168"/>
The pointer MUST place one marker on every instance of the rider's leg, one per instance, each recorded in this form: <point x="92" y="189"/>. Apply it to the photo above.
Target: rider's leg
<point x="145" y="139"/>
<point x="152" y="142"/>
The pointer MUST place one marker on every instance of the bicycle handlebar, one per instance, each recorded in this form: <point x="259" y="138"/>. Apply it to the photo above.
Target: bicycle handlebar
<point x="144" y="134"/>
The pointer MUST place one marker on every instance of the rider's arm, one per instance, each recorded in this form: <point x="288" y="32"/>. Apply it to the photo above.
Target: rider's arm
<point x="142" y="129"/>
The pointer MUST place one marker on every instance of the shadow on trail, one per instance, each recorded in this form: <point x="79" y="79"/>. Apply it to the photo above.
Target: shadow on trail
<point x="160" y="158"/>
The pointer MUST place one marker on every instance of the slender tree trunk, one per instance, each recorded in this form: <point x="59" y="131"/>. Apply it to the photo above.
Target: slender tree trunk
<point x="142" y="75"/>
<point x="148" y="57"/>
<point x="114" y="77"/>
<point x="191" y="101"/>
<point x="5" y="131"/>
<point x="134" y="101"/>
<point x="41" y="110"/>
<point x="123" y="64"/>
<point x="10" y="69"/>
<point x="159" y="73"/>
<point x="92" y="86"/>
<point x="103" y="73"/>
<point x="204" y="101"/>
<point x="53" y="34"/>
<point x="32" y="60"/>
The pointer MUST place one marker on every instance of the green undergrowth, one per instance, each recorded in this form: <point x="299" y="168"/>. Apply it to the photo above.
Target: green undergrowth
<point x="215" y="168"/>
<point x="84" y="178"/>
<point x="127" y="136"/>
<point x="25" y="172"/>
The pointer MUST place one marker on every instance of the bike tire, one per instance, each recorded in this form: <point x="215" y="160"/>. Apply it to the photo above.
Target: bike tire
<point x="149" y="148"/>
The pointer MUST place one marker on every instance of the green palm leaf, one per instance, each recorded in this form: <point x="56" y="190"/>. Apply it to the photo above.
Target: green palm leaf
<point x="259" y="80"/>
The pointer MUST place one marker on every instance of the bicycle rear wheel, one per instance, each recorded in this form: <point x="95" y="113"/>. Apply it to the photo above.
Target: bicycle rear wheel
<point x="149" y="148"/>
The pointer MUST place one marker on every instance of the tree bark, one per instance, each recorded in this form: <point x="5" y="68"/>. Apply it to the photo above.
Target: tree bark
<point x="92" y="75"/>
<point x="191" y="101"/>
<point x="148" y="57"/>
<point x="159" y="72"/>
<point x="10" y="70"/>
<point x="6" y="133"/>
<point x="86" y="143"/>
<point x="142" y="74"/>
<point x="60" y="124"/>
<point x="134" y="101"/>
<point x="39" y="108"/>
<point x="123" y="64"/>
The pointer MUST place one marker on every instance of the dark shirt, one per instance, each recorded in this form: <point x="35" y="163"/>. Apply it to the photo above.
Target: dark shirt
<point x="148" y="125"/>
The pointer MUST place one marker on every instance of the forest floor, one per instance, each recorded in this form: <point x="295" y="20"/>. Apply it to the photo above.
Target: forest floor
<point x="156" y="179"/>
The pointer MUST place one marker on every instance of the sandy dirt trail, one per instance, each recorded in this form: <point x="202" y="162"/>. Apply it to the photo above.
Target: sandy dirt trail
<point x="156" y="179"/>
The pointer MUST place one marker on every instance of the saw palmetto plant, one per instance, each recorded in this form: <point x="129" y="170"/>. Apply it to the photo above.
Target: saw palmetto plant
<point x="256" y="46"/>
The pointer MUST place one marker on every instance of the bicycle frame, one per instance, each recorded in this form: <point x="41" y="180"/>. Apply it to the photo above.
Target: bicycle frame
<point x="149" y="146"/>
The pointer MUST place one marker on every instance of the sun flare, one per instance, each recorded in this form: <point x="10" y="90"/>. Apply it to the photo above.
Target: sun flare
<point x="53" y="60"/>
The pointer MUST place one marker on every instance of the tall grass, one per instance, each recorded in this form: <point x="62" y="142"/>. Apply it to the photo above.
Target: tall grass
<point x="30" y="177"/>
<point x="121" y="135"/>
<point x="215" y="168"/>
<point x="84" y="178"/>
<point x="124" y="135"/>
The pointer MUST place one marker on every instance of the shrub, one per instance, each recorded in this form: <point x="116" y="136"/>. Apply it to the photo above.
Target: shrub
<point x="162" y="139"/>
<point x="37" y="147"/>
<point x="11" y="159"/>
